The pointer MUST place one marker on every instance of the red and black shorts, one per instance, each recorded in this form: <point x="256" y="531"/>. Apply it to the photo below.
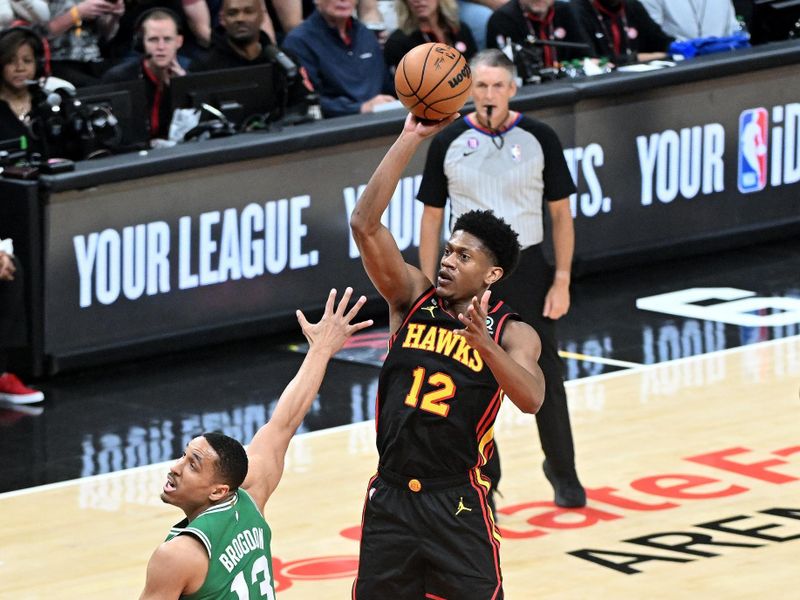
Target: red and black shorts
<point x="438" y="542"/>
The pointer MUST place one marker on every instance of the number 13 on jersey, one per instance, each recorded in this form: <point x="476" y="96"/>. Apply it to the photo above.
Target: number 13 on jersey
<point x="260" y="574"/>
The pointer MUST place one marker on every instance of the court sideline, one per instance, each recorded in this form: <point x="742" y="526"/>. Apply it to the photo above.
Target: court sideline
<point x="668" y="411"/>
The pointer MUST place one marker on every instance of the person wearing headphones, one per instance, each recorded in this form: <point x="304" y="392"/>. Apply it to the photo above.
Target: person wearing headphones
<point x="22" y="61"/>
<point x="158" y="39"/>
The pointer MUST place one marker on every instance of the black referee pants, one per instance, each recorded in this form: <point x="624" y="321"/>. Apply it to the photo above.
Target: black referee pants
<point x="525" y="291"/>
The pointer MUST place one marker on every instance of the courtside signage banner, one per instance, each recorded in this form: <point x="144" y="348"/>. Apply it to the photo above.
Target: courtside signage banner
<point x="685" y="163"/>
<point x="250" y="242"/>
<point x="173" y="255"/>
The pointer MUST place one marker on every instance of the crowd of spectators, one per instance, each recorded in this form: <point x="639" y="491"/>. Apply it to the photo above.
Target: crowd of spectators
<point x="341" y="53"/>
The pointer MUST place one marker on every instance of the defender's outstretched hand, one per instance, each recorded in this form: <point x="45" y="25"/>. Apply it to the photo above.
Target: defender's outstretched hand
<point x="335" y="326"/>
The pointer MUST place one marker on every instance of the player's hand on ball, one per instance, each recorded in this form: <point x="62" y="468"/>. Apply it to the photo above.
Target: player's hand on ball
<point x="425" y="128"/>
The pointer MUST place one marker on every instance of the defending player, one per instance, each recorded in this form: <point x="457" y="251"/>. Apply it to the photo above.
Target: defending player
<point x="427" y="529"/>
<point x="223" y="546"/>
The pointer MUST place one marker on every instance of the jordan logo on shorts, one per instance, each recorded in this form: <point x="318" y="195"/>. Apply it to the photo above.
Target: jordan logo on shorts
<point x="461" y="508"/>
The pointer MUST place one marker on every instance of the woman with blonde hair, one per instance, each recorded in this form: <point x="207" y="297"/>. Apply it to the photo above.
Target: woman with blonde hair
<point x="422" y="21"/>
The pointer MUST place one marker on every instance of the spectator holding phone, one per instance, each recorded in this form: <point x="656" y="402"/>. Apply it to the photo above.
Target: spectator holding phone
<point x="75" y="34"/>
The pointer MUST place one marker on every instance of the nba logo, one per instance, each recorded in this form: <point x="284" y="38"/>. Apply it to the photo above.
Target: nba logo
<point x="752" y="150"/>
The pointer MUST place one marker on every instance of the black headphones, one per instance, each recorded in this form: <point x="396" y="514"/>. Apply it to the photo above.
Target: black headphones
<point x="138" y="26"/>
<point x="41" y="49"/>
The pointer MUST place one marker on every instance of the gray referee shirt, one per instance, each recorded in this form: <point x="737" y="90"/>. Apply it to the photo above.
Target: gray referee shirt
<point x="511" y="173"/>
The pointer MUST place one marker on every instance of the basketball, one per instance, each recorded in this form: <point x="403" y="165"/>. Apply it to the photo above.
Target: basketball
<point x="433" y="81"/>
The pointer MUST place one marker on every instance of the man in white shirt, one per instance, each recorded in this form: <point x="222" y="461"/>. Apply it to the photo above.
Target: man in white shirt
<point x="689" y="19"/>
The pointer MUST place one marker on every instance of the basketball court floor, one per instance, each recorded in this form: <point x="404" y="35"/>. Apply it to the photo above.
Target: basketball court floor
<point x="684" y="392"/>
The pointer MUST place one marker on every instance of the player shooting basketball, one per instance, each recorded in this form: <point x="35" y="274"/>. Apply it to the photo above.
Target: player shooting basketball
<point x="223" y="544"/>
<point x="427" y="528"/>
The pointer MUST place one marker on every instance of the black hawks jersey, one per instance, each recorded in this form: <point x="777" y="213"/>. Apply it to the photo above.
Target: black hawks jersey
<point x="437" y="399"/>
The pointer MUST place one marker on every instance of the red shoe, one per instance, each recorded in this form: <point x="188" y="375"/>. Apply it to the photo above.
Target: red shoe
<point x="14" y="391"/>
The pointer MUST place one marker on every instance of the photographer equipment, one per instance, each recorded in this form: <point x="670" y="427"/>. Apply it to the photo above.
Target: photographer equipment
<point x="529" y="60"/>
<point x="94" y="121"/>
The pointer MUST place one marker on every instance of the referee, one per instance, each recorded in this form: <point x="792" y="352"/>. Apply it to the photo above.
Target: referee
<point x="497" y="159"/>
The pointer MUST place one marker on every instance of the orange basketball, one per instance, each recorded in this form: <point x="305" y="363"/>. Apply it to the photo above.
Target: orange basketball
<point x="433" y="81"/>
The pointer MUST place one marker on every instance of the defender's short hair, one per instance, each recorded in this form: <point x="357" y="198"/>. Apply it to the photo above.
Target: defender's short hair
<point x="232" y="464"/>
<point x="499" y="239"/>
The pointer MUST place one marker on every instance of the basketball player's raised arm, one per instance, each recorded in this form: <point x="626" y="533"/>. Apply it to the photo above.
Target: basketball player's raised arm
<point x="398" y="282"/>
<point x="267" y="451"/>
<point x="430" y="236"/>
<point x="514" y="362"/>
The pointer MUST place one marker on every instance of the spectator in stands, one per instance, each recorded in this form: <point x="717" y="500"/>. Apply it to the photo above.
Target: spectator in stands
<point x="690" y="19"/>
<point x="200" y="21"/>
<point x="30" y="12"/>
<point x="288" y="14"/>
<point x="543" y="20"/>
<point x="244" y="44"/>
<point x="13" y="327"/>
<point x="203" y="17"/>
<point x="120" y="48"/>
<point x="21" y="61"/>
<point x="621" y="30"/>
<point x="423" y="21"/>
<point x="371" y="15"/>
<point x="76" y="33"/>
<point x="158" y="39"/>
<point x="343" y="59"/>
<point x="476" y="14"/>
<point x="283" y="15"/>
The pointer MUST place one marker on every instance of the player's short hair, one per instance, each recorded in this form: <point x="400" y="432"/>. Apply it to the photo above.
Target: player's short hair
<point x="492" y="57"/>
<point x="232" y="463"/>
<point x="497" y="236"/>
